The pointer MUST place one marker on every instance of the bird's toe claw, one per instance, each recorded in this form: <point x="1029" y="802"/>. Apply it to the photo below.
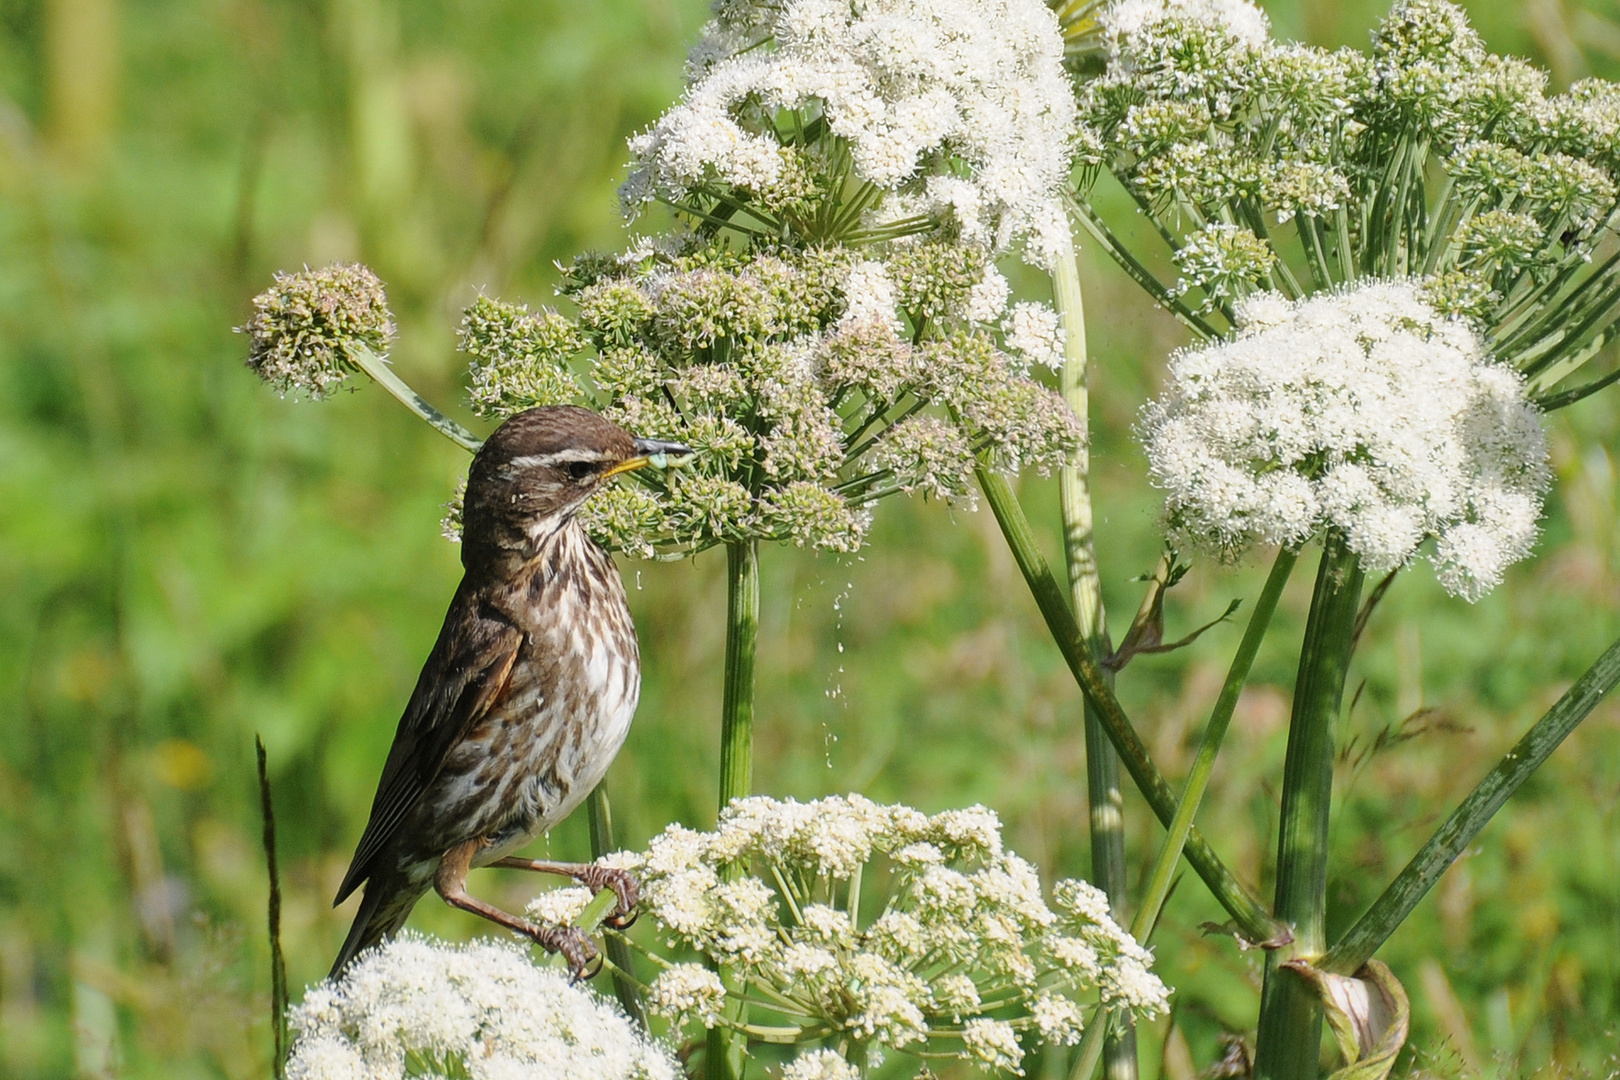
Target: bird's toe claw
<point x="583" y="959"/>
<point x="624" y="886"/>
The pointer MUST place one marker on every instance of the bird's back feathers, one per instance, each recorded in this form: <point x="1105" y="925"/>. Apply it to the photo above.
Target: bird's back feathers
<point x="463" y="678"/>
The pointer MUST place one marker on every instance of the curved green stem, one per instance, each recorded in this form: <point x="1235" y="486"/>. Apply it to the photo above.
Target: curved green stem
<point x="383" y="375"/>
<point x="1103" y="791"/>
<point x="600" y="907"/>
<point x="1091" y="1043"/>
<point x="1290" y="1036"/>
<point x="1252" y="919"/>
<point x="1204" y="764"/>
<point x="1451" y="839"/>
<point x="1139" y="273"/>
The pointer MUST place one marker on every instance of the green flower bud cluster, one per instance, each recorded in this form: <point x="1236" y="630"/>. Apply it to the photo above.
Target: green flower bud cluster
<point x="1223" y="262"/>
<point x="1275" y="166"/>
<point x="518" y="358"/>
<point x="306" y="326"/>
<point x="811" y="382"/>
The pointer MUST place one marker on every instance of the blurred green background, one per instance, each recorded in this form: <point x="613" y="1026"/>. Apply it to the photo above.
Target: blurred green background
<point x="186" y="560"/>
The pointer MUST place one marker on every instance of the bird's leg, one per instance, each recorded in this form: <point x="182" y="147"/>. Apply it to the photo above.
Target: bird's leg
<point x="451" y="883"/>
<point x="591" y="875"/>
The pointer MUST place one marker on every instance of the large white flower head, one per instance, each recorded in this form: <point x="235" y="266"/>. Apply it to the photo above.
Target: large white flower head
<point x="953" y="953"/>
<point x="960" y="106"/>
<point x="1362" y="411"/>
<point x="482" y="1008"/>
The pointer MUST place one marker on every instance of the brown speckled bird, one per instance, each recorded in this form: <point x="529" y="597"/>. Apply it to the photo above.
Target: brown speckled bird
<point x="528" y="692"/>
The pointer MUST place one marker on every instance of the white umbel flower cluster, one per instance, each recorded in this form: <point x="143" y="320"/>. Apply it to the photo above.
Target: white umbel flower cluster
<point x="958" y="955"/>
<point x="820" y="1065"/>
<point x="420" y="1007"/>
<point x="1127" y="19"/>
<point x="961" y="104"/>
<point x="1362" y="411"/>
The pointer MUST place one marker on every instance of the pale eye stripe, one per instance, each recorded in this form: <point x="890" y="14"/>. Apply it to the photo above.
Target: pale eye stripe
<point x="560" y="457"/>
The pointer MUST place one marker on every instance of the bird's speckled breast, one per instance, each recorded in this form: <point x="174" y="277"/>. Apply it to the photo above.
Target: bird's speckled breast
<point x="566" y="709"/>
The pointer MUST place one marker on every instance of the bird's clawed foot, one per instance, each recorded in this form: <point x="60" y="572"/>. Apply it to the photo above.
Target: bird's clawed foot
<point x="583" y="960"/>
<point x="593" y="876"/>
<point x="624" y="886"/>
<point x="450" y="882"/>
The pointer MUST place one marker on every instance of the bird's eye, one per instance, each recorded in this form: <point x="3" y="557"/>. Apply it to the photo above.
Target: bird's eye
<point x="579" y="470"/>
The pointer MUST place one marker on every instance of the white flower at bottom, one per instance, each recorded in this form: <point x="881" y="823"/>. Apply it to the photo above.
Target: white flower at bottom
<point x="820" y="1065"/>
<point x="688" y="990"/>
<point x="995" y="1043"/>
<point x="483" y="1005"/>
<point x="1262" y="311"/>
<point x="958" y="928"/>
<point x="559" y="907"/>
<point x="1364" y="411"/>
<point x="326" y="1057"/>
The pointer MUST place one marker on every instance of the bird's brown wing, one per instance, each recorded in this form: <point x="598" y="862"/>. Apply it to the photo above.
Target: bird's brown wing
<point x="464" y="675"/>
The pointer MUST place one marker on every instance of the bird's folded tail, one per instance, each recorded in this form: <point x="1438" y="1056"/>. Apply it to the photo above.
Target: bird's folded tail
<point x="384" y="907"/>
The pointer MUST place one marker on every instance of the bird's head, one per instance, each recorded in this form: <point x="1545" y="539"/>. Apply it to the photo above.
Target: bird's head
<point x="537" y="469"/>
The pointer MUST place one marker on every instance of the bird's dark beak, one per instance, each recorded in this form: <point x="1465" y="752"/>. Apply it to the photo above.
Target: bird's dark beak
<point x="654" y="452"/>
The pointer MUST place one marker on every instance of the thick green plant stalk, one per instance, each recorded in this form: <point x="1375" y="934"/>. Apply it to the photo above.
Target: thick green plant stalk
<point x="1103" y="793"/>
<point x="727" y="1049"/>
<point x="742" y="638"/>
<point x="1249" y="915"/>
<point x="618" y="950"/>
<point x="1391" y="908"/>
<point x="1290" y="1037"/>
